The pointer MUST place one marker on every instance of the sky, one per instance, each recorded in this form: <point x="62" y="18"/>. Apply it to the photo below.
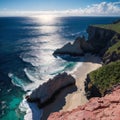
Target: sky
<point x="60" y="7"/>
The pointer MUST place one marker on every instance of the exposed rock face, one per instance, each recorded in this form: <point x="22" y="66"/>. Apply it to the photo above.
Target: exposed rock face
<point x="107" y="58"/>
<point x="46" y="91"/>
<point x="99" y="41"/>
<point x="91" y="90"/>
<point x="105" y="108"/>
<point x="99" y="38"/>
<point x="77" y="48"/>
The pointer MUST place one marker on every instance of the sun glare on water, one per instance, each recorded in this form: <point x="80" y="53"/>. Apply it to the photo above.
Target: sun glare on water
<point x="46" y="19"/>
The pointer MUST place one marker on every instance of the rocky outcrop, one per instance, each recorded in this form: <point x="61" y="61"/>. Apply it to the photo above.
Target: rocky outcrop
<point x="113" y="52"/>
<point x="99" y="38"/>
<point x="79" y="47"/>
<point x="105" y="108"/>
<point x="90" y="89"/>
<point x="114" y="56"/>
<point x="45" y="92"/>
<point x="99" y="41"/>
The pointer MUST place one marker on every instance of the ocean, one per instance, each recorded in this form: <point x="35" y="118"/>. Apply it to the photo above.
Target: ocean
<point x="26" y="60"/>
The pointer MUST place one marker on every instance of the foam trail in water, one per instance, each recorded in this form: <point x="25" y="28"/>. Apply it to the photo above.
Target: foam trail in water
<point x="20" y="83"/>
<point x="31" y="78"/>
<point x="35" y="82"/>
<point x="33" y="85"/>
<point x="75" y="68"/>
<point x="31" y="110"/>
<point x="15" y="80"/>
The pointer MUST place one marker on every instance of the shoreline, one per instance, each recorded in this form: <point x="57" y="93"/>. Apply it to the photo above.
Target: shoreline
<point x="69" y="99"/>
<point x="80" y="76"/>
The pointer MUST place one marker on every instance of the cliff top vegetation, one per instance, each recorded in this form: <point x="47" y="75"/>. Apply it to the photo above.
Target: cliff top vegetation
<point x="114" y="26"/>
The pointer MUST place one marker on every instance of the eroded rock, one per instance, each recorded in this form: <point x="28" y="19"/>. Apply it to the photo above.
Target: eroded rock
<point x="79" y="47"/>
<point x="46" y="91"/>
<point x="105" y="108"/>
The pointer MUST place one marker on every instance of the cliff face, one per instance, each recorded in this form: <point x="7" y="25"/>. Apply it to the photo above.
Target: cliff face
<point x="99" y="41"/>
<point x="111" y="57"/>
<point x="113" y="52"/>
<point x="46" y="91"/>
<point x="105" y="108"/>
<point x="99" y="38"/>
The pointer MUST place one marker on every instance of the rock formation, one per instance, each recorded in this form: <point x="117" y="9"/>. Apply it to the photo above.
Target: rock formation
<point x="45" y="92"/>
<point x="107" y="58"/>
<point x="112" y="54"/>
<point x="102" y="39"/>
<point x="76" y="49"/>
<point x="99" y="40"/>
<point x="105" y="108"/>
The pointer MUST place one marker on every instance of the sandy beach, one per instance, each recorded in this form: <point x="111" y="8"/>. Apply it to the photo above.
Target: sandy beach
<point x="78" y="97"/>
<point x="73" y="97"/>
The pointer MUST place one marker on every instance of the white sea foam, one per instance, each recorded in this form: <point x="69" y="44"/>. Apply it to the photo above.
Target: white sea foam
<point x="33" y="61"/>
<point x="15" y="80"/>
<point x="35" y="81"/>
<point x="76" y="67"/>
<point x="31" y="110"/>
<point x="31" y="78"/>
<point x="33" y="85"/>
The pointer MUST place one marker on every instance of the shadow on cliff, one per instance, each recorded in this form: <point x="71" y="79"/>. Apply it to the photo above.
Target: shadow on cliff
<point x="58" y="101"/>
<point x="86" y="58"/>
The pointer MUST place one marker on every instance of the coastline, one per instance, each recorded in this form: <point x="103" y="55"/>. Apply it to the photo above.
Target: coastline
<point x="69" y="99"/>
<point x="78" y="97"/>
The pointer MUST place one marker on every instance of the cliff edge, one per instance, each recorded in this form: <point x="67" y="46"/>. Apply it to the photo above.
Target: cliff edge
<point x="105" y="108"/>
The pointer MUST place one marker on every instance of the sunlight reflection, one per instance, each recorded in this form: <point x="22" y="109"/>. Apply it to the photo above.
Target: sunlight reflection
<point x="49" y="29"/>
<point x="43" y="46"/>
<point x="47" y="19"/>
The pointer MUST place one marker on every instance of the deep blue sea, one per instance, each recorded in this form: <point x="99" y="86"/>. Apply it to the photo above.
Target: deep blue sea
<point x="26" y="60"/>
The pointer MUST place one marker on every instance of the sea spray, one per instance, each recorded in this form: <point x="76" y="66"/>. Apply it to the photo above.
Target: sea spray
<point x="16" y="81"/>
<point x="31" y="109"/>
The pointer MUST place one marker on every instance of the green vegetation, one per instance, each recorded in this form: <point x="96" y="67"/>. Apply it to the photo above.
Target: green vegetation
<point x="114" y="48"/>
<point x="108" y="75"/>
<point x="105" y="77"/>
<point x="113" y="27"/>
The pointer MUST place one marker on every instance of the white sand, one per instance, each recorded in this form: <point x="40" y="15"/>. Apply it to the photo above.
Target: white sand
<point x="78" y="98"/>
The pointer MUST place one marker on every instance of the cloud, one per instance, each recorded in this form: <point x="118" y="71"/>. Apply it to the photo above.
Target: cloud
<point x="101" y="9"/>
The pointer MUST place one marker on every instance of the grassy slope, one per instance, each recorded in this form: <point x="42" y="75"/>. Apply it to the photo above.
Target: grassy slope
<point x="113" y="27"/>
<point x="114" y="48"/>
<point x="106" y="76"/>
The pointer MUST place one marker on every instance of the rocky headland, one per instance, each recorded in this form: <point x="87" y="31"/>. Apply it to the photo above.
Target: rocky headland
<point x="46" y="92"/>
<point x="102" y="40"/>
<point x="104" y="108"/>
<point x="78" y="48"/>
